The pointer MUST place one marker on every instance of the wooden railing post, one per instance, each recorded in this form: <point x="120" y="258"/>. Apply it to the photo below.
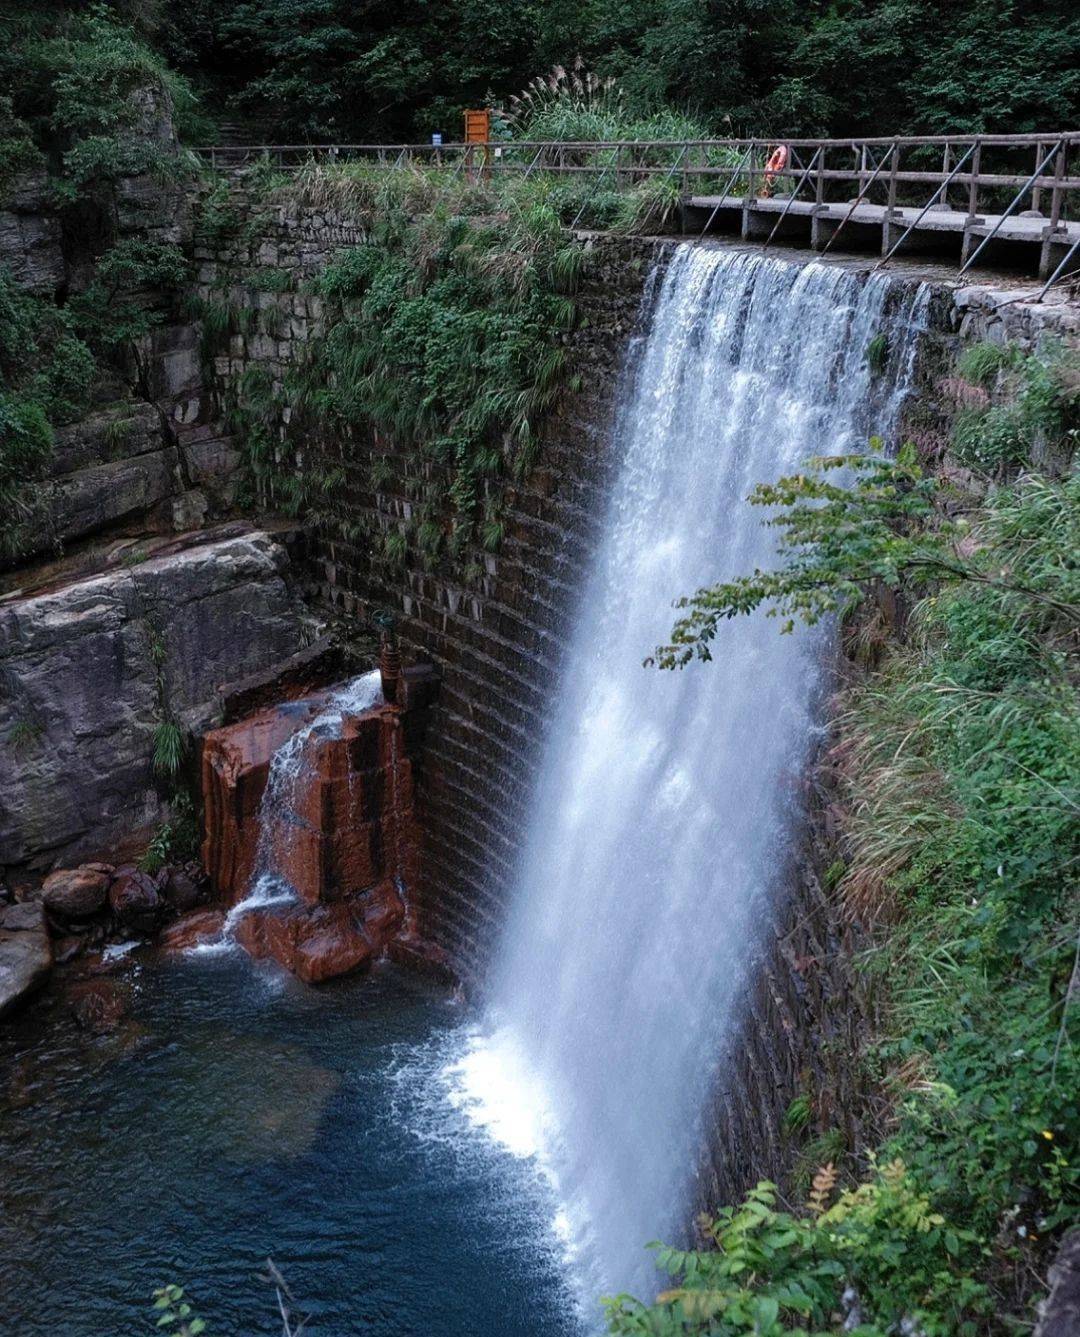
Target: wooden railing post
<point x="819" y="185"/>
<point x="945" y="173"/>
<point x="1035" y="192"/>
<point x="1057" y="194"/>
<point x="973" y="184"/>
<point x="894" y="167"/>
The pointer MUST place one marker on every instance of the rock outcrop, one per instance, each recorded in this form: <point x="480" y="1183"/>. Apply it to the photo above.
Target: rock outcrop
<point x="345" y="838"/>
<point x="1059" y="1313"/>
<point x="25" y="953"/>
<point x="30" y="238"/>
<point x="86" y="669"/>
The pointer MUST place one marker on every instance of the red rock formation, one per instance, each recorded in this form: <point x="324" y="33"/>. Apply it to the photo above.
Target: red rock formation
<point x="199" y="926"/>
<point x="349" y="841"/>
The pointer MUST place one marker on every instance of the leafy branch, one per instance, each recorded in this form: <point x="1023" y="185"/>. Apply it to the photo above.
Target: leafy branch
<point x="885" y="526"/>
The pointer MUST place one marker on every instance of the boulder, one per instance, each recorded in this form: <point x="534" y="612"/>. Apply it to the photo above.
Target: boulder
<point x="193" y="929"/>
<point x="184" y="889"/>
<point x="136" y="901"/>
<point x="316" y="943"/>
<point x="25" y="952"/>
<point x="98" y="1005"/>
<point x="75" y="893"/>
<point x="79" y="700"/>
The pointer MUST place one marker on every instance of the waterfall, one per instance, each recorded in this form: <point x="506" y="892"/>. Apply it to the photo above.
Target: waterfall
<point x="280" y="800"/>
<point x="667" y="804"/>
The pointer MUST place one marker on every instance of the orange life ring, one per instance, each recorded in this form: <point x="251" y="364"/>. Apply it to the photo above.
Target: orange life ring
<point x="776" y="164"/>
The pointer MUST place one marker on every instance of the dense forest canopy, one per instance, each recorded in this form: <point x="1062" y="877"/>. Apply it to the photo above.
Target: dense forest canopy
<point x="354" y="70"/>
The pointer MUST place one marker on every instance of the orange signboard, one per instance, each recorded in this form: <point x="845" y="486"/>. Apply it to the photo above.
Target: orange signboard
<point x="477" y="127"/>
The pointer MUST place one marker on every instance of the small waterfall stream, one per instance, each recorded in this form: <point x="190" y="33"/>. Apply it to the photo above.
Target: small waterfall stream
<point x="281" y="800"/>
<point x="667" y="804"/>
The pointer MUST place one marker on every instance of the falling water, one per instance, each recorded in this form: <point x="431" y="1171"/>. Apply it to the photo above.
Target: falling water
<point x="280" y="800"/>
<point x="667" y="802"/>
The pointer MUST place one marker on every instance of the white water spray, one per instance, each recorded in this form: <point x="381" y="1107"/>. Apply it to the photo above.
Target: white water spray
<point x="667" y="803"/>
<point x="281" y="798"/>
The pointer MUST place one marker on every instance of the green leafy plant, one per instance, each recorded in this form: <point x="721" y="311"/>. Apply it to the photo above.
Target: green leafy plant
<point x="175" y="840"/>
<point x="881" y="1252"/>
<point x="169" y="749"/>
<point x="174" y="1313"/>
<point x="877" y="353"/>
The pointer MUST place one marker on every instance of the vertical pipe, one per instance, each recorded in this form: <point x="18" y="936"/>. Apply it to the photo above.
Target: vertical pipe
<point x="945" y="173"/>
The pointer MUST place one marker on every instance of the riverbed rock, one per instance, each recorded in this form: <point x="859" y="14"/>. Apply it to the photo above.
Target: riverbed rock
<point x="184" y="889"/>
<point x="25" y="952"/>
<point x="79" y="695"/>
<point x="75" y="893"/>
<point x="98" y="1005"/>
<point x="136" y="901"/>
<point x="316" y="943"/>
<point x="195" y="928"/>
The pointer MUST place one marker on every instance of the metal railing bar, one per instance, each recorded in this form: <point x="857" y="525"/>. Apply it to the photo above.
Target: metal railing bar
<point x="791" y="198"/>
<point x="1001" y="141"/>
<point x="723" y="194"/>
<point x="885" y="157"/>
<point x="1016" y="200"/>
<point x="925" y="210"/>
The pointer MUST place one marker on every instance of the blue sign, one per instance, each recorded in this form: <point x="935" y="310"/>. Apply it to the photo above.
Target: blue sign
<point x="436" y="139"/>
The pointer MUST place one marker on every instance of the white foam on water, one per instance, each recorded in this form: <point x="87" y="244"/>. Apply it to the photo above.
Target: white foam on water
<point x="116" y="950"/>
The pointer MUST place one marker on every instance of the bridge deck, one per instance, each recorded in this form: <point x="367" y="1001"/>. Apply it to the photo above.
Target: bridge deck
<point x="865" y="226"/>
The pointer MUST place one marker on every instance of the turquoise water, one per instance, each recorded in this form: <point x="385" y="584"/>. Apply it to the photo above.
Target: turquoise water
<point x="236" y="1115"/>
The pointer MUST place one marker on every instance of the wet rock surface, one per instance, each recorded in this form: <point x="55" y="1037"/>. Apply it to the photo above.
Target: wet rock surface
<point x="75" y="893"/>
<point x="98" y="1005"/>
<point x="190" y="930"/>
<point x="25" y="953"/>
<point x="81" y="701"/>
<point x="345" y="842"/>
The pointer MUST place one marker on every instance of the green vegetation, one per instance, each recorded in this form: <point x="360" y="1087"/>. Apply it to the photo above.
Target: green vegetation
<point x="73" y="118"/>
<point x="443" y="333"/>
<point x="175" y="840"/>
<point x="879" y="1255"/>
<point x="174" y="1314"/>
<point x="329" y="70"/>
<point x="956" y="758"/>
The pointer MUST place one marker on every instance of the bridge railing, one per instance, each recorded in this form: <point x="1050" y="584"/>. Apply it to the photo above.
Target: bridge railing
<point x="993" y="172"/>
<point x="972" y="162"/>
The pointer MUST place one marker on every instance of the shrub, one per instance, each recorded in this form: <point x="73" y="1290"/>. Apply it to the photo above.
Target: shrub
<point x="881" y="1255"/>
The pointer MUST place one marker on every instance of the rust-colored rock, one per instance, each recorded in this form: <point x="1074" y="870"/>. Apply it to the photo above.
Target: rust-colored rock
<point x="346" y="843"/>
<point x="192" y="929"/>
<point x="136" y="901"/>
<point x="75" y="893"/>
<point x="315" y="942"/>
<point x="98" y="1005"/>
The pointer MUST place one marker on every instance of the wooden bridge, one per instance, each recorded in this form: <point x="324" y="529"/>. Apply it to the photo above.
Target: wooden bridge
<point x="1008" y="202"/>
